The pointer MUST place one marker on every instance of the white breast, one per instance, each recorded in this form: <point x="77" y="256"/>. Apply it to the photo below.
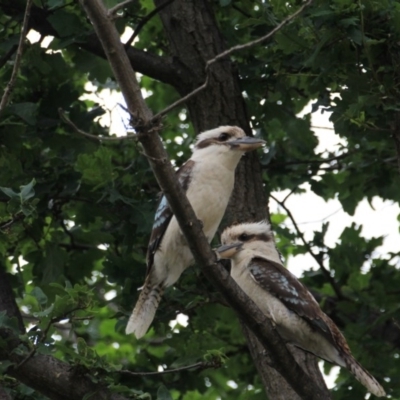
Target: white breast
<point x="209" y="192"/>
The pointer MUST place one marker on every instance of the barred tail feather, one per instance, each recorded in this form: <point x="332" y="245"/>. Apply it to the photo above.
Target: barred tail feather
<point x="364" y="377"/>
<point x="143" y="314"/>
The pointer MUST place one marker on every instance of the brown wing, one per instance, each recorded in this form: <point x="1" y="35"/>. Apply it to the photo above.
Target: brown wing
<point x="281" y="283"/>
<point x="164" y="214"/>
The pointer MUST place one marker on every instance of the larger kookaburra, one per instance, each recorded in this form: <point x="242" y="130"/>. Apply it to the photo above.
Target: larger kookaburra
<point x="258" y="270"/>
<point x="207" y="178"/>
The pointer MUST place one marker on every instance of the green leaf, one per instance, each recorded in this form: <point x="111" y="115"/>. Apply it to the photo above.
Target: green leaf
<point x="4" y="365"/>
<point x="9" y="192"/>
<point x="53" y="264"/>
<point x="27" y="191"/>
<point x="8" y="322"/>
<point x="66" y="24"/>
<point x="163" y="393"/>
<point x="359" y="281"/>
<point x="96" y="168"/>
<point x="45" y="313"/>
<point x="39" y="295"/>
<point x="26" y="111"/>
<point x="55" y="3"/>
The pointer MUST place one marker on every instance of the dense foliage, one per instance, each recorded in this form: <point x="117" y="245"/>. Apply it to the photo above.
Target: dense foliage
<point x="76" y="213"/>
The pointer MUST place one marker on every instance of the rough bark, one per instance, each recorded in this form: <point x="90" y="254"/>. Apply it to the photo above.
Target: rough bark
<point x="56" y="379"/>
<point x="194" y="39"/>
<point x="273" y="382"/>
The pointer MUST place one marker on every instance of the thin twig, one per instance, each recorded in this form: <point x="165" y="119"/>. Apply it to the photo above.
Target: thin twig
<point x="318" y="259"/>
<point x="115" y="9"/>
<point x="200" y="365"/>
<point x="18" y="57"/>
<point x="15" y="218"/>
<point x="229" y="52"/>
<point x="321" y="161"/>
<point x="182" y="100"/>
<point x="145" y="20"/>
<point x="198" y="89"/>
<point x="322" y="219"/>
<point x="289" y="194"/>
<point x="27" y="358"/>
<point x="44" y="335"/>
<point x="322" y="127"/>
<point x="89" y="135"/>
<point x="262" y="38"/>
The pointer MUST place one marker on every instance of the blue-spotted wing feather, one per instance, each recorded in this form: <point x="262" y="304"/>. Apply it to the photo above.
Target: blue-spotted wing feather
<point x="281" y="283"/>
<point x="164" y="214"/>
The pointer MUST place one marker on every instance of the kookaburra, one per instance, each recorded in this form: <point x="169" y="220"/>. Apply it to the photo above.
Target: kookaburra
<point x="207" y="178"/>
<point x="257" y="269"/>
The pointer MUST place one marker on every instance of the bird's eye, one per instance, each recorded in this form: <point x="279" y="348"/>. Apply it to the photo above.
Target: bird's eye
<point x="223" y="137"/>
<point x="243" y="237"/>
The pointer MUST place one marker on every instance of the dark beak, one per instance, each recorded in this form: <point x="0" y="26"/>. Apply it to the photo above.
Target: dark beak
<point x="246" y="143"/>
<point x="229" y="250"/>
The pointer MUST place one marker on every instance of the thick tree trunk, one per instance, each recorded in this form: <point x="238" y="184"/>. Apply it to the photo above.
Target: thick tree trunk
<point x="194" y="39"/>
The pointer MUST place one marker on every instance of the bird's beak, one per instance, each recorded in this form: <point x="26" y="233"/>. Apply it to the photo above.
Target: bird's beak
<point x="229" y="250"/>
<point x="246" y="143"/>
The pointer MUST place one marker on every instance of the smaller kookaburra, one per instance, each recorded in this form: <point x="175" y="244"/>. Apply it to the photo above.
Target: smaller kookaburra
<point x="257" y="269"/>
<point x="207" y="178"/>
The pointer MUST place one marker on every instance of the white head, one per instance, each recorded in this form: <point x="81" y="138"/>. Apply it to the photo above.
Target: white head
<point x="248" y="240"/>
<point x="225" y="143"/>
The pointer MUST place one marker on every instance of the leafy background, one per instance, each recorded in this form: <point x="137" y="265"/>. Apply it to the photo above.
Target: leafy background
<point x="75" y="214"/>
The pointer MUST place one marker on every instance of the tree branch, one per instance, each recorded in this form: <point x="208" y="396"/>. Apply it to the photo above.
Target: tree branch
<point x="65" y="119"/>
<point x="56" y="379"/>
<point x="183" y="100"/>
<point x="119" y="62"/>
<point x="306" y="162"/>
<point x="230" y="51"/>
<point x="120" y="6"/>
<point x="316" y="257"/>
<point x="262" y="38"/>
<point x="154" y="66"/>
<point x="46" y="374"/>
<point x="18" y="57"/>
<point x="282" y="360"/>
<point x="199" y="366"/>
<point x="145" y="20"/>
